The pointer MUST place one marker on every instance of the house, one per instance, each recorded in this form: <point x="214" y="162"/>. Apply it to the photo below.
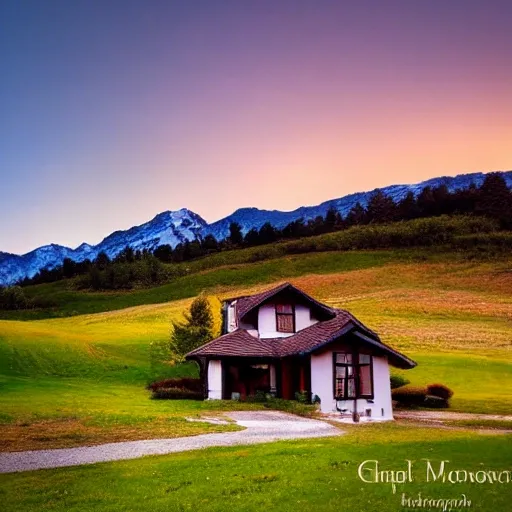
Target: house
<point x="283" y="341"/>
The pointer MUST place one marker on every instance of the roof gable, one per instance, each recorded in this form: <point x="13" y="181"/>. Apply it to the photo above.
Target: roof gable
<point x="338" y="323"/>
<point x="245" y="305"/>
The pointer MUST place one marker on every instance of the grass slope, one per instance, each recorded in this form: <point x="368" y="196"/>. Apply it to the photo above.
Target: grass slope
<point x="79" y="379"/>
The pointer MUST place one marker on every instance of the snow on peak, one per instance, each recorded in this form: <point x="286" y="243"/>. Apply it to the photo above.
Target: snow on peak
<point x="175" y="227"/>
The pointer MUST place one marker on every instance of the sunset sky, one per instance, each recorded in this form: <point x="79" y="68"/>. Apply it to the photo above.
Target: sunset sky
<point x="113" y="111"/>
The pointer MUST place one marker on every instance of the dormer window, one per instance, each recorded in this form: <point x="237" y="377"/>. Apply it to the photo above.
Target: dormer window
<point x="285" y="318"/>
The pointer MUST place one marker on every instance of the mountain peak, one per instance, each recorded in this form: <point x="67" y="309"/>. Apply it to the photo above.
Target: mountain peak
<point x="174" y="227"/>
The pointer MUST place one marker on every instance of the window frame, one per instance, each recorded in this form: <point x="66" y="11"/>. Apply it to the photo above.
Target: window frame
<point x="292" y="314"/>
<point x="355" y="365"/>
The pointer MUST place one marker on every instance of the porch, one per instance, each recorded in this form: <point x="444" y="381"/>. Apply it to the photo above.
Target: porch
<point x="238" y="378"/>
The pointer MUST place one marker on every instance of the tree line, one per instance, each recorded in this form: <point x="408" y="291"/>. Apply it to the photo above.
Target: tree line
<point x="131" y="268"/>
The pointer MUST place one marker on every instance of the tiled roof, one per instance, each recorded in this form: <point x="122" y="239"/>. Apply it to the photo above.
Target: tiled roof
<point x="317" y="334"/>
<point x="247" y="303"/>
<point x="240" y="343"/>
<point x="236" y="343"/>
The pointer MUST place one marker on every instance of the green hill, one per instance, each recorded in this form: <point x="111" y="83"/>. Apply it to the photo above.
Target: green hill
<point x="80" y="379"/>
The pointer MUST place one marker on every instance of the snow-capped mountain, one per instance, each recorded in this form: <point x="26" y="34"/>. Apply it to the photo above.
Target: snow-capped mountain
<point x="166" y="228"/>
<point x="253" y="217"/>
<point x="174" y="227"/>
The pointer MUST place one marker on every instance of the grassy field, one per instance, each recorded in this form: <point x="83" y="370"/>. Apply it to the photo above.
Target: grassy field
<point x="307" y="475"/>
<point x="80" y="379"/>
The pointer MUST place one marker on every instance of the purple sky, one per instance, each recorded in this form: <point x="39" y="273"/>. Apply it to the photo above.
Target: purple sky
<point x="112" y="111"/>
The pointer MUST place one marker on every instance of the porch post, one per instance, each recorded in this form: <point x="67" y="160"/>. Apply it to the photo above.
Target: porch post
<point x="273" y="386"/>
<point x="215" y="379"/>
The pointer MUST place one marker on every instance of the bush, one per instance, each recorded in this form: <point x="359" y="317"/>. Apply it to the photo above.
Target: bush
<point x="185" y="383"/>
<point x="176" y="394"/>
<point x="291" y="406"/>
<point x="258" y="398"/>
<point x="397" y="381"/>
<point x="302" y="397"/>
<point x="13" y="298"/>
<point x="435" y="402"/>
<point x="440" y="390"/>
<point x="410" y="395"/>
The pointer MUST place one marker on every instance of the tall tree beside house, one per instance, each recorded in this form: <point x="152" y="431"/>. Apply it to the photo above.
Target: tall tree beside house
<point x="198" y="329"/>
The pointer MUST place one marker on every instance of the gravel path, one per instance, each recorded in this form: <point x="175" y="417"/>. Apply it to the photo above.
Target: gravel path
<point x="261" y="427"/>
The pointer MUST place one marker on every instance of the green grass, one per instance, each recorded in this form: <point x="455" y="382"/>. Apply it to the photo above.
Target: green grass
<point x="309" y="475"/>
<point x="481" y="424"/>
<point x="81" y="378"/>
<point x="228" y="277"/>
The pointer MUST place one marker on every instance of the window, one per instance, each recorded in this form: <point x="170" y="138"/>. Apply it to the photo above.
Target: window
<point x="285" y="318"/>
<point x="353" y="376"/>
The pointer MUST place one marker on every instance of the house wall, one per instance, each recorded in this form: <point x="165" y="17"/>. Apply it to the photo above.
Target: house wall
<point x="214" y="380"/>
<point x="322" y="385"/>
<point x="267" y="320"/>
<point x="231" y="318"/>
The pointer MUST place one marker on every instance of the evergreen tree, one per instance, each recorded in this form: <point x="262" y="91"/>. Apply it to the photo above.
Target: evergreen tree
<point x="356" y="216"/>
<point x="426" y="202"/>
<point x="68" y="268"/>
<point x="252" y="238"/>
<point x="407" y="208"/>
<point x="495" y="199"/>
<point x="295" y="229"/>
<point x="316" y="226"/>
<point x="195" y="331"/>
<point x="267" y="234"/>
<point x="332" y="220"/>
<point x="210" y="244"/>
<point x="164" y="253"/>
<point x="381" y="208"/>
<point x="102" y="261"/>
<point x="235" y="234"/>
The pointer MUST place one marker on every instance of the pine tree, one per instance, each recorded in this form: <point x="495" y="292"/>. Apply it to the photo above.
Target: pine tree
<point x="102" y="261"/>
<point x="195" y="331"/>
<point x="495" y="199"/>
<point x="210" y="244"/>
<point x="332" y="220"/>
<point x="235" y="234"/>
<point x="356" y="216"/>
<point x="407" y="208"/>
<point x="267" y="234"/>
<point x="381" y="208"/>
<point x="252" y="238"/>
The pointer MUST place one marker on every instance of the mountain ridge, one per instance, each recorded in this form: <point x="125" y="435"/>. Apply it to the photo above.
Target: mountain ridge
<point x="174" y="227"/>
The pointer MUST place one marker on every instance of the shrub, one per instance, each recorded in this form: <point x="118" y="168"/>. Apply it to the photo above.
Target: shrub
<point x="258" y="397"/>
<point x="435" y="402"/>
<point x="410" y="395"/>
<point x="397" y="381"/>
<point x="185" y="383"/>
<point x="302" y="397"/>
<point x="176" y="394"/>
<point x="13" y="298"/>
<point x="291" y="406"/>
<point x="440" y="390"/>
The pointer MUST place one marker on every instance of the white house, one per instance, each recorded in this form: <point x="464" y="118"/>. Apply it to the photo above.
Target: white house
<point x="283" y="341"/>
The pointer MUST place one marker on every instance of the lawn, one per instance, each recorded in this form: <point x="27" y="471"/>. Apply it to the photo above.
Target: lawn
<point x="306" y="475"/>
<point x="80" y="379"/>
